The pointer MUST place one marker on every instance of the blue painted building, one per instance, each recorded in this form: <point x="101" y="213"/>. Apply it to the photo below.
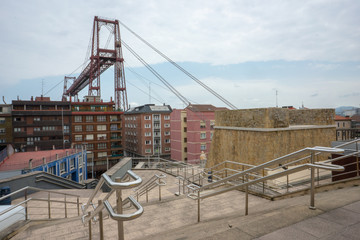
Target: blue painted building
<point x="72" y="167"/>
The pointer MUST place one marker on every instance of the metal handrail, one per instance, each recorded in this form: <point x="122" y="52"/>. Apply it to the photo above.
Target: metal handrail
<point x="117" y="187"/>
<point x="125" y="217"/>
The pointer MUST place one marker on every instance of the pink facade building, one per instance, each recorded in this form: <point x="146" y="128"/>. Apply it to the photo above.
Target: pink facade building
<point x="191" y="132"/>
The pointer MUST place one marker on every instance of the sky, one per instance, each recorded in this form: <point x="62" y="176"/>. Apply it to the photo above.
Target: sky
<point x="253" y="53"/>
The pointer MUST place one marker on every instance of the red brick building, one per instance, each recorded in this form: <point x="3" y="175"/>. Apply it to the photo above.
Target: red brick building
<point x="191" y="131"/>
<point x="147" y="131"/>
<point x="97" y="125"/>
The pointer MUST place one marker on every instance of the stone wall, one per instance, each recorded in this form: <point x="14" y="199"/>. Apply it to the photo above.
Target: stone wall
<point x="255" y="136"/>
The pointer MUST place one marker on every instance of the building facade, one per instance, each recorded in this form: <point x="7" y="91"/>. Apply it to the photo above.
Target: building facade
<point x="97" y="125"/>
<point x="344" y="130"/>
<point x="147" y="131"/>
<point x="6" y="136"/>
<point x="192" y="131"/>
<point x="40" y="124"/>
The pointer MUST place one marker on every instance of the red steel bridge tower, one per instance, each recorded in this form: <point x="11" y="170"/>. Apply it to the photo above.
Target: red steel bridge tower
<point x="100" y="60"/>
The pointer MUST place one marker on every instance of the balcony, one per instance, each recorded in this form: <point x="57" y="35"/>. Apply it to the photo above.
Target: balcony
<point x="116" y="147"/>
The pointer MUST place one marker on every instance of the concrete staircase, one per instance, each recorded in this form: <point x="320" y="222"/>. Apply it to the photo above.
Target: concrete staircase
<point x="222" y="216"/>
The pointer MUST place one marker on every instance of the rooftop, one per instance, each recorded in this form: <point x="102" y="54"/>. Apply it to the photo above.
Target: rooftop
<point x="20" y="160"/>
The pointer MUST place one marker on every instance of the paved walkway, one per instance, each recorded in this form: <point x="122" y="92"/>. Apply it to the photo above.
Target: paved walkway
<point x="341" y="223"/>
<point x="222" y="217"/>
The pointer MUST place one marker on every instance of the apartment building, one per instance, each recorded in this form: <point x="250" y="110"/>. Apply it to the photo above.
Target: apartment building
<point x="40" y="124"/>
<point x="5" y="125"/>
<point x="98" y="126"/>
<point x="147" y="131"/>
<point x="191" y="131"/>
<point x="344" y="130"/>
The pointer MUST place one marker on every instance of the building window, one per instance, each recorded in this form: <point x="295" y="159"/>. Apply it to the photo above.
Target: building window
<point x="167" y="133"/>
<point x="113" y="127"/>
<point x="147" y="125"/>
<point x="167" y="140"/>
<point x="203" y="147"/>
<point x="102" y="154"/>
<point x="30" y="141"/>
<point x="17" y="119"/>
<point x="156" y="117"/>
<point x="66" y="129"/>
<point x="147" y="134"/>
<point x="2" y="120"/>
<point x="185" y="149"/>
<point x="52" y="170"/>
<point x="202" y="124"/>
<point x="101" y="145"/>
<point x="2" y="130"/>
<point x="167" y="125"/>
<point x="101" y="118"/>
<point x="36" y="119"/>
<point x="167" y="117"/>
<point x="338" y="124"/>
<point x="185" y="129"/>
<point x="167" y="149"/>
<point x="89" y="137"/>
<point x="148" y="150"/>
<point x="62" y="167"/>
<point x="78" y="137"/>
<point x="72" y="163"/>
<point x="78" y="118"/>
<point x="48" y="128"/>
<point x="185" y="119"/>
<point x="147" y="117"/>
<point x="101" y="137"/>
<point x="90" y="147"/>
<point x="78" y="128"/>
<point x="89" y="119"/>
<point x="101" y="127"/>
<point x="17" y="129"/>
<point x="89" y="128"/>
<point x="147" y="142"/>
<point x="2" y="140"/>
<point x="211" y="135"/>
<point x="203" y="135"/>
<point x="343" y="124"/>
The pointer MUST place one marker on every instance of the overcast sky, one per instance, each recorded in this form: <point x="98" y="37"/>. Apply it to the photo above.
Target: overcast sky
<point x="308" y="51"/>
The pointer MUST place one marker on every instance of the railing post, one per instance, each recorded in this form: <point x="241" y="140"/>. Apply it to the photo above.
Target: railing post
<point x="147" y="199"/>
<point x="198" y="205"/>
<point x="159" y="190"/>
<point x="65" y="206"/>
<point x="263" y="174"/>
<point x="78" y="207"/>
<point x="49" y="205"/>
<point x="101" y="224"/>
<point x="177" y="171"/>
<point x="179" y="187"/>
<point x="183" y="185"/>
<point x="90" y="237"/>
<point x="119" y="211"/>
<point x="192" y="170"/>
<point x="26" y="206"/>
<point x="247" y="197"/>
<point x="357" y="159"/>
<point x="312" y="176"/>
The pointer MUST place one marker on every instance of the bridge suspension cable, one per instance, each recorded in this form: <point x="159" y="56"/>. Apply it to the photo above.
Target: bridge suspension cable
<point x="181" y="69"/>
<point x="157" y="75"/>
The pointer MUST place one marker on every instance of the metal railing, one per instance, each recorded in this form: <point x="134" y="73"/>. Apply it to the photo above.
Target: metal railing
<point x="115" y="186"/>
<point x="252" y="175"/>
<point x="29" y="190"/>
<point x="153" y="182"/>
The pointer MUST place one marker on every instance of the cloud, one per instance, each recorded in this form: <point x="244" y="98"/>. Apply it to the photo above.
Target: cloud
<point x="314" y="95"/>
<point x="354" y="94"/>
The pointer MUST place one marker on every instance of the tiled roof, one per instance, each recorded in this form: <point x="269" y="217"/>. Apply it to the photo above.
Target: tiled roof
<point x="341" y="118"/>
<point x="20" y="160"/>
<point x="203" y="108"/>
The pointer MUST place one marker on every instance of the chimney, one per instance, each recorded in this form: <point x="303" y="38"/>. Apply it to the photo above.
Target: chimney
<point x="53" y="147"/>
<point x="36" y="149"/>
<point x="57" y="156"/>
<point x="44" y="160"/>
<point x="67" y="153"/>
<point x="30" y="163"/>
<point x="32" y="98"/>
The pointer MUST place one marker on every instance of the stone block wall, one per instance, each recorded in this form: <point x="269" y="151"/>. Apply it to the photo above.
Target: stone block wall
<point x="256" y="136"/>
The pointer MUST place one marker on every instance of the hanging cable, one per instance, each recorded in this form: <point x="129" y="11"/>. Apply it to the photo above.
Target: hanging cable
<point x="181" y="69"/>
<point x="157" y="75"/>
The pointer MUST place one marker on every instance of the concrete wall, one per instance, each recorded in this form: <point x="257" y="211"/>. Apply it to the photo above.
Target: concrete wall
<point x="255" y="136"/>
